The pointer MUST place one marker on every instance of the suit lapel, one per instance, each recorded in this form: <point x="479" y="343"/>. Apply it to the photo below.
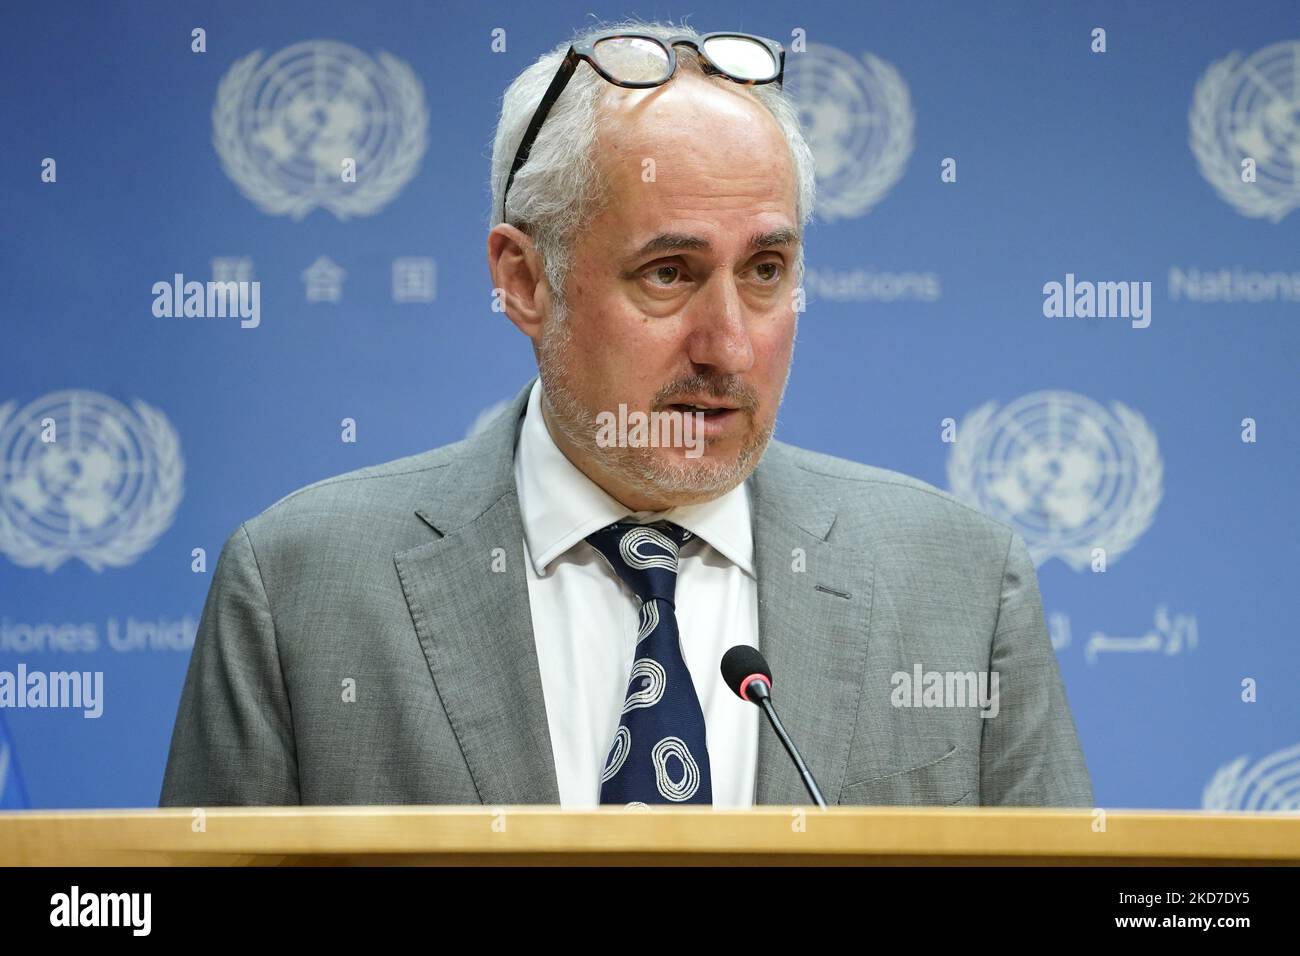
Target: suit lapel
<point x="474" y="623"/>
<point x="812" y="628"/>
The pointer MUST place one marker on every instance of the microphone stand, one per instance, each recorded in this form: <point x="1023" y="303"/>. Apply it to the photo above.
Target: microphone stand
<point x="758" y="690"/>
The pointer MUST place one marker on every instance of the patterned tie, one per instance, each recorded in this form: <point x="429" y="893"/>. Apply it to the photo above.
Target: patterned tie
<point x="659" y="754"/>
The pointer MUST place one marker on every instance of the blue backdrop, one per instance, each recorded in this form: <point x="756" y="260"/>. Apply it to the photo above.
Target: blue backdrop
<point x="969" y="155"/>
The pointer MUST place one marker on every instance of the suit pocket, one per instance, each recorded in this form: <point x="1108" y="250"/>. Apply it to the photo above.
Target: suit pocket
<point x="940" y="781"/>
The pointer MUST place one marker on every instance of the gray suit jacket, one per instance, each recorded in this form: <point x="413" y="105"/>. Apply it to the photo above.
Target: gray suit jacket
<point x="381" y="580"/>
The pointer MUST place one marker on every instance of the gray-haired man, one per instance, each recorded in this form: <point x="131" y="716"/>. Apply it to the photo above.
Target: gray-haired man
<point x="536" y="614"/>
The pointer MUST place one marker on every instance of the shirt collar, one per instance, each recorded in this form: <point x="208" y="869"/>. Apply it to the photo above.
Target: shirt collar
<point x="560" y="506"/>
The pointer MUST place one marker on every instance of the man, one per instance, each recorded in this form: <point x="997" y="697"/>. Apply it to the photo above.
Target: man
<point x="537" y="614"/>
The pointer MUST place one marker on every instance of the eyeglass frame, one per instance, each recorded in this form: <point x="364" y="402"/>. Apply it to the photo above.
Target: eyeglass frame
<point x="585" y="50"/>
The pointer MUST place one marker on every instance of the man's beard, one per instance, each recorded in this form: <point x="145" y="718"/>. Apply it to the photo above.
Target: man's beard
<point x="681" y="480"/>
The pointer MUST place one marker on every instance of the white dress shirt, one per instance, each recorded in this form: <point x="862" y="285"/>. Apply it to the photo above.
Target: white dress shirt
<point x="585" y="619"/>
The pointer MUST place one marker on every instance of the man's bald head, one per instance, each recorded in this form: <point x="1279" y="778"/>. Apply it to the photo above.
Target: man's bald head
<point x="560" y="185"/>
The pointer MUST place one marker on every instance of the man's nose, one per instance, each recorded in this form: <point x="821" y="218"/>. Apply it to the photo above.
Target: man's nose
<point x="719" y="336"/>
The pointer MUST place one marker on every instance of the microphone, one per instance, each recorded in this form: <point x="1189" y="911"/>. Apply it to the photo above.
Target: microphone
<point x="746" y="672"/>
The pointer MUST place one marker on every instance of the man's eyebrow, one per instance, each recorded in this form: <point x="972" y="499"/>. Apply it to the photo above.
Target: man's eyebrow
<point x="677" y="241"/>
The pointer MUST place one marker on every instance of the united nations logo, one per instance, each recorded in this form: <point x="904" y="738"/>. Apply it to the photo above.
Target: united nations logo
<point x="284" y="127"/>
<point x="1251" y="109"/>
<point x="1273" y="783"/>
<point x="857" y="118"/>
<point x="103" y="490"/>
<point x="1068" y="475"/>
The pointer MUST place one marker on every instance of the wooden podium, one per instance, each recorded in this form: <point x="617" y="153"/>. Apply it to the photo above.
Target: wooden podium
<point x="546" y="835"/>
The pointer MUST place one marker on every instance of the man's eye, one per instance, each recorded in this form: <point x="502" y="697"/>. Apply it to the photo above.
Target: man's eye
<point x="659" y="273"/>
<point x="770" y="277"/>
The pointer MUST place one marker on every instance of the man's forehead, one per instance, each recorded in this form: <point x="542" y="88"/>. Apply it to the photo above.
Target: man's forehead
<point x="739" y="135"/>
<point x="686" y="92"/>
<point x="690" y="113"/>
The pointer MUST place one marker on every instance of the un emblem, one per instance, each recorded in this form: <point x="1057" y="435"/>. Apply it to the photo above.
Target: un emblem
<point x="102" y="491"/>
<point x="284" y="127"/>
<point x="1251" y="108"/>
<point x="857" y="118"/>
<point x="1273" y="783"/>
<point x="1068" y="475"/>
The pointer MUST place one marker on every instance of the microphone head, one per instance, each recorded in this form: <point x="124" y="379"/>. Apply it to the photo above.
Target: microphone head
<point x="741" y="666"/>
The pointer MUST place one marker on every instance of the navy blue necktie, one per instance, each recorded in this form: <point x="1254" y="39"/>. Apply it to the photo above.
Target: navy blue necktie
<point x="659" y="754"/>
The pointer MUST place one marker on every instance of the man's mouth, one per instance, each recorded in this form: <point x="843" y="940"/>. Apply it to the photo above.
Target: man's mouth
<point x="716" y="418"/>
<point x="709" y="408"/>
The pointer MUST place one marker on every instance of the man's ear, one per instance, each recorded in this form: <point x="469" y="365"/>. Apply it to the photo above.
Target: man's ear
<point x="518" y="278"/>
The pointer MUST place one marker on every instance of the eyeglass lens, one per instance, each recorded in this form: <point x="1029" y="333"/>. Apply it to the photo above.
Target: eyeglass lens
<point x="640" y="60"/>
<point x="632" y="59"/>
<point x="741" y="58"/>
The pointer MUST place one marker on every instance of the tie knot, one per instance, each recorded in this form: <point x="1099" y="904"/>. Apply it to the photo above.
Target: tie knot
<point x="644" y="556"/>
